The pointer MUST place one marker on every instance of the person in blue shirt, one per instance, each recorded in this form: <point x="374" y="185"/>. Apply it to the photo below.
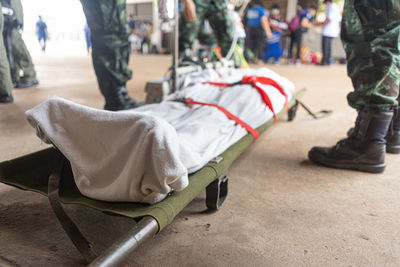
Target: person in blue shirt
<point x="274" y="49"/>
<point x="257" y="27"/>
<point x="41" y="31"/>
<point x="304" y="17"/>
<point x="86" y="30"/>
<point x="131" y="24"/>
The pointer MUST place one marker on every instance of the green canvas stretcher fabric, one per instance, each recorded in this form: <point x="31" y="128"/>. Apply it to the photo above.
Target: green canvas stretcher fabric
<point x="31" y="172"/>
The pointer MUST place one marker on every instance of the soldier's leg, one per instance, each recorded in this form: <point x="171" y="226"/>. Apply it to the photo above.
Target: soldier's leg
<point x="23" y="61"/>
<point x="111" y="50"/>
<point x="188" y="31"/>
<point x="221" y="22"/>
<point x="370" y="35"/>
<point x="204" y="37"/>
<point x="5" y="77"/>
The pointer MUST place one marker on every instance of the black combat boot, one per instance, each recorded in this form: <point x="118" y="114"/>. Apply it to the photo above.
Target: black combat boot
<point x="363" y="149"/>
<point x="130" y="101"/>
<point x="393" y="136"/>
<point x="26" y="84"/>
<point x="119" y="99"/>
<point x="7" y="98"/>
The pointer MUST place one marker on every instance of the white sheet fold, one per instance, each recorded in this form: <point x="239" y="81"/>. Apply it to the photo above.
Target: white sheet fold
<point x="115" y="156"/>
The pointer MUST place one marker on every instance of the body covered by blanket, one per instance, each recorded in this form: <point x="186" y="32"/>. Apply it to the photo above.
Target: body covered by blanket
<point x="143" y="154"/>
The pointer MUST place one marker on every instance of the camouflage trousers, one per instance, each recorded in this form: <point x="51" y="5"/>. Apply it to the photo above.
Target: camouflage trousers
<point x="22" y="60"/>
<point x="371" y="39"/>
<point x="107" y="21"/>
<point x="216" y="12"/>
<point x="5" y="76"/>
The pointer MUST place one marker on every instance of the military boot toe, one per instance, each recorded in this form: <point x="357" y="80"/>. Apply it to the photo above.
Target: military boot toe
<point x="6" y="98"/>
<point x="115" y="106"/>
<point x="26" y="84"/>
<point x="129" y="101"/>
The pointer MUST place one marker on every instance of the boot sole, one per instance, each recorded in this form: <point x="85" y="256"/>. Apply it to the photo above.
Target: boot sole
<point x="375" y="168"/>
<point x="393" y="149"/>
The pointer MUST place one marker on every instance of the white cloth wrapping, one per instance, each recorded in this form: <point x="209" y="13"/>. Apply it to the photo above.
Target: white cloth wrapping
<point x="115" y="156"/>
<point x="142" y="154"/>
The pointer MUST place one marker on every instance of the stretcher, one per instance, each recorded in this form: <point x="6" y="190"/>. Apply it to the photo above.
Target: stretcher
<point x="48" y="172"/>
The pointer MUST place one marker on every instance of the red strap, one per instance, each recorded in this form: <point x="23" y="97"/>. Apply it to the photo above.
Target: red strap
<point x="253" y="80"/>
<point x="219" y="84"/>
<point x="250" y="129"/>
<point x="266" y="81"/>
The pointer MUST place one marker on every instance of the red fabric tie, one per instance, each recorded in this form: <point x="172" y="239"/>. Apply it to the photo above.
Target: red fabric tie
<point x="219" y="84"/>
<point x="253" y="80"/>
<point x="250" y="129"/>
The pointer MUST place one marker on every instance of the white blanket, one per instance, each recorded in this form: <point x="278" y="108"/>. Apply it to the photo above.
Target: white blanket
<point x="143" y="154"/>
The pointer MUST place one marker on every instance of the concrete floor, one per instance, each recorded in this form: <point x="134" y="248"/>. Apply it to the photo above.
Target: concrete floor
<point x="281" y="210"/>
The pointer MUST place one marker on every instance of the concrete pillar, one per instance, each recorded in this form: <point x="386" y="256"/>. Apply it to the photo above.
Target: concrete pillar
<point x="291" y="9"/>
<point x="156" y="25"/>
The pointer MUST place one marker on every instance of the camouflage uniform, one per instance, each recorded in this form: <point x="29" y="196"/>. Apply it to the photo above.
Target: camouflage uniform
<point x="216" y="12"/>
<point x="371" y="38"/>
<point x="5" y="77"/>
<point x="206" y="38"/>
<point x="21" y="55"/>
<point x="111" y="49"/>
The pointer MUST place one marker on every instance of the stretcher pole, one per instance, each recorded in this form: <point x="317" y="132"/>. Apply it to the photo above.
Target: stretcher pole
<point x="115" y="255"/>
<point x="175" y="54"/>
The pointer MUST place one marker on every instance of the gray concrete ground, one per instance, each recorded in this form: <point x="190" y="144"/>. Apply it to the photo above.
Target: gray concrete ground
<point x="281" y="210"/>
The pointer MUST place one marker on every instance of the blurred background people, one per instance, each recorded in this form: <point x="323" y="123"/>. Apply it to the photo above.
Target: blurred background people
<point x="143" y="30"/>
<point x="5" y="74"/>
<point x="257" y="27"/>
<point x="42" y="33"/>
<point x="276" y="13"/>
<point x="86" y="31"/>
<point x="297" y="26"/>
<point x="274" y="48"/>
<point x="23" y="72"/>
<point x="131" y="24"/>
<point x="194" y="13"/>
<point x="330" y="30"/>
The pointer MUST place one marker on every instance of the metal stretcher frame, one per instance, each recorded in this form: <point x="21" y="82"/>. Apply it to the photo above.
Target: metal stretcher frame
<point x="151" y="218"/>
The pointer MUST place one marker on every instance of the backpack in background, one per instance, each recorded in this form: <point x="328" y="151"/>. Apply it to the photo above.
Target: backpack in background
<point x="294" y="24"/>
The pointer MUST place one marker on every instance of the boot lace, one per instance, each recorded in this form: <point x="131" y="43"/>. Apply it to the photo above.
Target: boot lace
<point x="352" y="134"/>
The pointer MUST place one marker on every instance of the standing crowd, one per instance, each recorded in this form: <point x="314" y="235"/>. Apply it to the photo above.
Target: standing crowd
<point x="265" y="31"/>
